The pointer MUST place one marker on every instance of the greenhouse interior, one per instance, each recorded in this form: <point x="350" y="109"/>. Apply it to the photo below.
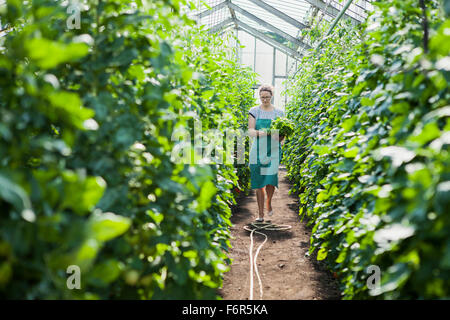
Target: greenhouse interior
<point x="225" y="150"/>
<point x="270" y="32"/>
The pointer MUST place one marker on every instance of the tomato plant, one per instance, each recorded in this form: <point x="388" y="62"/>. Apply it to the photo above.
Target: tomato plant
<point x="371" y="157"/>
<point x="87" y="176"/>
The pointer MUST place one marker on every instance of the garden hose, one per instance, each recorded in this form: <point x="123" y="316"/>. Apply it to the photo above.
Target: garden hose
<point x="256" y="227"/>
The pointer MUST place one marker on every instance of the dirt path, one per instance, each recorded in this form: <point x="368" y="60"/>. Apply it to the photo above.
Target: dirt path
<point x="285" y="272"/>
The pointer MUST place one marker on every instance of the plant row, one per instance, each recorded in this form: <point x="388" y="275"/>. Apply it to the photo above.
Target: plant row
<point x="87" y="171"/>
<point x="370" y="157"/>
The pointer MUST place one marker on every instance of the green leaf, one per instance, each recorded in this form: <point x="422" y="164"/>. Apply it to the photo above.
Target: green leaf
<point x="342" y="256"/>
<point x="395" y="277"/>
<point x="68" y="107"/>
<point x="156" y="216"/>
<point x="137" y="71"/>
<point x="398" y="155"/>
<point x="6" y="272"/>
<point x="348" y="124"/>
<point x="208" y="94"/>
<point x="429" y="132"/>
<point x="321" y="150"/>
<point x="322" y="196"/>
<point x="367" y="102"/>
<point x="82" y="194"/>
<point x="13" y="193"/>
<point x="105" y="272"/>
<point x="322" y="254"/>
<point x="48" y="54"/>
<point x="107" y="226"/>
<point x="87" y="252"/>
<point x="207" y="192"/>
<point x="351" y="153"/>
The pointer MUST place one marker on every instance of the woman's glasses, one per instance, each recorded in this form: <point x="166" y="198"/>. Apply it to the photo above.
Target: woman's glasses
<point x="266" y="97"/>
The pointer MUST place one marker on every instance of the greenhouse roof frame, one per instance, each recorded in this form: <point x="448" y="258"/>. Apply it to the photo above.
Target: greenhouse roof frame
<point x="279" y="14"/>
<point x="267" y="25"/>
<point x="270" y="41"/>
<point x="226" y="24"/>
<point x="331" y="9"/>
<point x="276" y="22"/>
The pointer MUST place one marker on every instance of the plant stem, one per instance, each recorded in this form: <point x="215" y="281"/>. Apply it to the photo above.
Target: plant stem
<point x="425" y="25"/>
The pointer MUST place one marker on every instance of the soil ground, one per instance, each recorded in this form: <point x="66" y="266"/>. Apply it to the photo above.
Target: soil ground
<point x="286" y="273"/>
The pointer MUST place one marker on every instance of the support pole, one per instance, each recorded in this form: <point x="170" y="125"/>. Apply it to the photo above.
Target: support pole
<point x="238" y="47"/>
<point x="254" y="57"/>
<point x="274" y="67"/>
<point x="330" y="10"/>
<point x="346" y="6"/>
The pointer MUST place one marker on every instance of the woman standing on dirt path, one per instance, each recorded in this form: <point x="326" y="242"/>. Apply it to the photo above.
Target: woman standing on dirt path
<point x="265" y="153"/>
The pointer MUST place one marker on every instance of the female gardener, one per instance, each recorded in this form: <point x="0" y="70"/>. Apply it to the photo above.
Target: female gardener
<point x="265" y="153"/>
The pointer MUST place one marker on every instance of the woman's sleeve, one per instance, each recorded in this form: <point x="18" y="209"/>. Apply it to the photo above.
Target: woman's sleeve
<point x="252" y="113"/>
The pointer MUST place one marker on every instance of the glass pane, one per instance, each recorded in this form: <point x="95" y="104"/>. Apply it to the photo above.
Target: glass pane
<point x="247" y="59"/>
<point x="247" y="52"/>
<point x="247" y="40"/>
<point x="280" y="62"/>
<point x="264" y="62"/>
<point x="280" y="99"/>
<point x="291" y="65"/>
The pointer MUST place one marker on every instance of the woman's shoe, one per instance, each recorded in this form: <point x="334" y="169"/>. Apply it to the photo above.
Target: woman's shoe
<point x="270" y="213"/>
<point x="259" y="220"/>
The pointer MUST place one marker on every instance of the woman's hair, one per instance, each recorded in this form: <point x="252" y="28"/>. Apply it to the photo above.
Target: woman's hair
<point x="266" y="87"/>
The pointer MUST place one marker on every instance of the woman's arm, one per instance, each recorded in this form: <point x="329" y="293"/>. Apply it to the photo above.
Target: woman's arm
<point x="251" y="128"/>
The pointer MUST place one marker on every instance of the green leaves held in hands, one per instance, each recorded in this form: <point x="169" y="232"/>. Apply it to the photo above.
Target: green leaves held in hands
<point x="284" y="126"/>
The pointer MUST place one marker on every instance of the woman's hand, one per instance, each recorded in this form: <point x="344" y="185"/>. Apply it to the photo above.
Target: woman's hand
<point x="261" y="133"/>
<point x="279" y="138"/>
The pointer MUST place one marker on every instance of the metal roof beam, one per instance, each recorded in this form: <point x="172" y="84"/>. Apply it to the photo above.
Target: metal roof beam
<point x="279" y="14"/>
<point x="261" y="36"/>
<point x="220" y="26"/>
<point x="233" y="15"/>
<point x="212" y="10"/>
<point x="263" y="23"/>
<point x="336" y="20"/>
<point x="268" y="41"/>
<point x="329" y="9"/>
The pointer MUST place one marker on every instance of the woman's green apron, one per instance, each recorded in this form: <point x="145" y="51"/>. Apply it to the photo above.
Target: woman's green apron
<point x="265" y="157"/>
